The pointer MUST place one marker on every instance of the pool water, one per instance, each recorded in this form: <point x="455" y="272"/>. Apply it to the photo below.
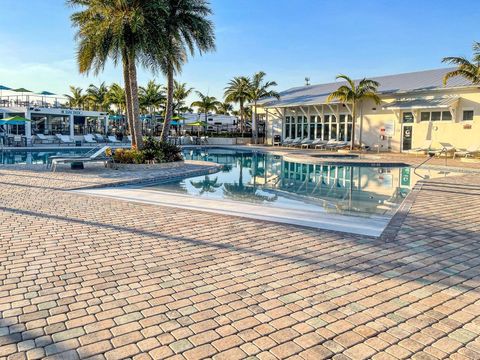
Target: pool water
<point x="36" y="156"/>
<point x="269" y="180"/>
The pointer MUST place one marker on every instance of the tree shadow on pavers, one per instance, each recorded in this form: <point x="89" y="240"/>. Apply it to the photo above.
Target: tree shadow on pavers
<point x="33" y="342"/>
<point x="410" y="257"/>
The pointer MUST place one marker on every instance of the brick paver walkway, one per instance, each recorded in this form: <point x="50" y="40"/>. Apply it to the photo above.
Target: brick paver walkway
<point x="86" y="277"/>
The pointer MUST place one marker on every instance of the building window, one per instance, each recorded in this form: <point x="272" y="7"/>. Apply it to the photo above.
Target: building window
<point x="407" y="117"/>
<point x="424" y="116"/>
<point x="436" y="116"/>
<point x="467" y="115"/>
<point x="446" y="115"/>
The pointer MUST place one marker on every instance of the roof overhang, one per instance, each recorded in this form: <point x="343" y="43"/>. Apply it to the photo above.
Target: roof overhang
<point x="421" y="103"/>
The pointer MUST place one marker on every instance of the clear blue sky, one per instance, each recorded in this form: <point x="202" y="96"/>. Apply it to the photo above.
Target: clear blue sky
<point x="288" y="39"/>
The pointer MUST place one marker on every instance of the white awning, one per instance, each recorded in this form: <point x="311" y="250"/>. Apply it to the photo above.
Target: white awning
<point x="419" y="103"/>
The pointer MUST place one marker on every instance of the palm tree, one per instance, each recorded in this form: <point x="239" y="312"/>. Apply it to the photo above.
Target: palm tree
<point x="207" y="185"/>
<point x="259" y="89"/>
<point x="225" y="108"/>
<point x="206" y="104"/>
<point x="237" y="91"/>
<point x="353" y="94"/>
<point x="465" y="68"/>
<point x="186" y="28"/>
<point x="116" y="96"/>
<point x="77" y="98"/>
<point x="97" y="97"/>
<point x="152" y="97"/>
<point x="126" y="31"/>
<point x="180" y="94"/>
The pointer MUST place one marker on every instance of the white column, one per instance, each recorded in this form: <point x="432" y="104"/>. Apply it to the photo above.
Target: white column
<point x="71" y="126"/>
<point x="28" y="126"/>
<point x="308" y="122"/>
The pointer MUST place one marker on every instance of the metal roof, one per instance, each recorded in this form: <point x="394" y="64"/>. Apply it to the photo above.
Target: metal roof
<point x="444" y="102"/>
<point x="390" y="84"/>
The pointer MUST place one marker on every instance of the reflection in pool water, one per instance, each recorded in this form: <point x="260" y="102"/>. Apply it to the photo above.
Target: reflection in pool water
<point x="269" y="180"/>
<point x="36" y="156"/>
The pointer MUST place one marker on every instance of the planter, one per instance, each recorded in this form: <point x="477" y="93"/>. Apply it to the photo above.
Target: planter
<point x="146" y="166"/>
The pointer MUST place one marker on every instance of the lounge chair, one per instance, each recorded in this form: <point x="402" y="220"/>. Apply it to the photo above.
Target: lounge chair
<point x="305" y="143"/>
<point x="425" y="147"/>
<point x="295" y="142"/>
<point x="43" y="139"/>
<point x="470" y="151"/>
<point x="65" y="139"/>
<point x="319" y="144"/>
<point x="99" y="155"/>
<point x="89" y="139"/>
<point x="99" y="138"/>
<point x="446" y="149"/>
<point x="286" y="141"/>
<point x="113" y="139"/>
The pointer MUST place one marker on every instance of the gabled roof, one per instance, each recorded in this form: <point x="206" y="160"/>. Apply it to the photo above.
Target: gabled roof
<point x="390" y="84"/>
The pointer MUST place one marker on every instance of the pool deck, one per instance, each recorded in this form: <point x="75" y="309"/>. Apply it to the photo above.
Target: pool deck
<point x="99" y="278"/>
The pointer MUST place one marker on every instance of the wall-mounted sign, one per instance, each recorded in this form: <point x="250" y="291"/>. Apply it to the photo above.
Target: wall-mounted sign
<point x="389" y="128"/>
<point x="71" y="112"/>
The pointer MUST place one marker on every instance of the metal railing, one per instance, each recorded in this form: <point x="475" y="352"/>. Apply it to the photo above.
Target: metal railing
<point x="431" y="155"/>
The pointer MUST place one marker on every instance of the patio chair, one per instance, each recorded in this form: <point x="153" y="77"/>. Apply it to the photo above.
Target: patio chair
<point x="99" y="138"/>
<point x="319" y="144"/>
<point x="43" y="139"/>
<point x="89" y="139"/>
<point x="421" y="149"/>
<point x="286" y="141"/>
<point x="99" y="155"/>
<point x="65" y="139"/>
<point x="295" y="142"/>
<point x="470" y="151"/>
<point x="113" y="139"/>
<point x="446" y="149"/>
<point x="305" y="143"/>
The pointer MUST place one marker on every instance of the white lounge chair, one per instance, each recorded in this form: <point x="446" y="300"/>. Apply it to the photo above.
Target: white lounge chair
<point x="446" y="149"/>
<point x="286" y="141"/>
<point x="43" y="139"/>
<point x="89" y="139"/>
<point x="65" y="139"/>
<point x="470" y="151"/>
<point x="295" y="142"/>
<point x="319" y="144"/>
<point x="99" y="155"/>
<point x="113" y="139"/>
<point x="305" y="143"/>
<point x="421" y="149"/>
<point x="99" y="138"/>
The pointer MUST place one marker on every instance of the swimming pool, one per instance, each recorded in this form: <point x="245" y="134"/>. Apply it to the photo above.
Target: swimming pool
<point x="39" y="156"/>
<point x="348" y="197"/>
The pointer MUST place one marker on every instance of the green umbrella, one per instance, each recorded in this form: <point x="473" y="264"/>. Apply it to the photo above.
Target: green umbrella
<point x="47" y="93"/>
<point x="14" y="120"/>
<point x="198" y="123"/>
<point x="21" y="90"/>
<point x="4" y="88"/>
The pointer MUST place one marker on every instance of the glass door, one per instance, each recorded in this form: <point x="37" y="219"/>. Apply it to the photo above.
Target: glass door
<point x="407" y="137"/>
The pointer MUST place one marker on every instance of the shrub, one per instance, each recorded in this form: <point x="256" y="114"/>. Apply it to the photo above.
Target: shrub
<point x="129" y="156"/>
<point x="153" y="151"/>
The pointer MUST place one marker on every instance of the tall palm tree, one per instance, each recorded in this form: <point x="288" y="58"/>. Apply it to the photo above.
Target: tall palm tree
<point x="469" y="70"/>
<point x="259" y="89"/>
<point x="180" y="94"/>
<point x="186" y="28"/>
<point x="97" y="97"/>
<point x="225" y="108"/>
<point x="116" y="96"/>
<point x="126" y="31"/>
<point x="76" y="99"/>
<point x="237" y="91"/>
<point x="353" y="94"/>
<point x="206" y="104"/>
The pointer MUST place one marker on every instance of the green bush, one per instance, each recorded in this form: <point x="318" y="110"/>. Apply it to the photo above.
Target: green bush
<point x="153" y="151"/>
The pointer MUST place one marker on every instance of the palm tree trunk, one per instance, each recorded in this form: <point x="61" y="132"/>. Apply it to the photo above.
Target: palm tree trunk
<point x="169" y="106"/>
<point x="242" y="124"/>
<point x="254" y="123"/>
<point x="354" y="120"/>
<point x="135" y="103"/>
<point x="128" y="98"/>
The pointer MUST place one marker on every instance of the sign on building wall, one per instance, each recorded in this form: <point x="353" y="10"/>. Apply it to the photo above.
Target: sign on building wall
<point x="389" y="128"/>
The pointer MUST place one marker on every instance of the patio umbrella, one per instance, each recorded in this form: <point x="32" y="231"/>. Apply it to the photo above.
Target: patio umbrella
<point x="22" y="91"/>
<point x="14" y="120"/>
<point x="46" y="93"/>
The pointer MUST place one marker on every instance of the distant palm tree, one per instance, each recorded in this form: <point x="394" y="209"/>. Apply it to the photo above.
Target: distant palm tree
<point x="206" y="104"/>
<point x="237" y="91"/>
<point x="97" y="97"/>
<point x="353" y="94"/>
<point x="465" y="68"/>
<point x="225" y="108"/>
<point x="180" y="94"/>
<point x="126" y="32"/>
<point x="259" y="89"/>
<point x="152" y="97"/>
<point x="116" y="96"/>
<point x="186" y="28"/>
<point x="76" y="99"/>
